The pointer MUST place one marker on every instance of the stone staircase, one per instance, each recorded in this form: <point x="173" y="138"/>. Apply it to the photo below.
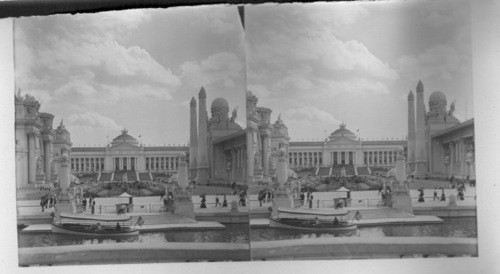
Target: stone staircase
<point x="163" y="218"/>
<point x="380" y="213"/>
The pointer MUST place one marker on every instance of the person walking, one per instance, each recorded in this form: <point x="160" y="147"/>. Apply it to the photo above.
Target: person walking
<point x="436" y="194"/>
<point x="217" y="203"/>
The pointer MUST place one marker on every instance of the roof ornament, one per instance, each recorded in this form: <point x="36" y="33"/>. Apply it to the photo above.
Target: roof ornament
<point x="124" y="131"/>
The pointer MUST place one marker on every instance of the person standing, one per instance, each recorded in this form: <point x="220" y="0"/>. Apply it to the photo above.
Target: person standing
<point x="421" y="196"/>
<point x="436" y="194"/>
<point x="311" y="200"/>
<point x="84" y="204"/>
<point x="42" y="203"/>
<point x="224" y="202"/>
<point x="203" y="201"/>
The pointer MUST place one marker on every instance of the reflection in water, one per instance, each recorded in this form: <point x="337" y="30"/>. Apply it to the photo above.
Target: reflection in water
<point x="451" y="227"/>
<point x="234" y="233"/>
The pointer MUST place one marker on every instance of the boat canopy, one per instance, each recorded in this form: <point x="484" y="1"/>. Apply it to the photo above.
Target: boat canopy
<point x="311" y="212"/>
<point x="90" y="217"/>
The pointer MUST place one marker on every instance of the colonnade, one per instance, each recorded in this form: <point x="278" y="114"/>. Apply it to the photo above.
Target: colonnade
<point x="305" y="159"/>
<point x="378" y="157"/>
<point x="87" y="164"/>
<point x="162" y="163"/>
<point x="460" y="163"/>
<point x="343" y="157"/>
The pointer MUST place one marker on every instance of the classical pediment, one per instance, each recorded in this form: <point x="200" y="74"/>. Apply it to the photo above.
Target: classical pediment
<point x="342" y="141"/>
<point x="125" y="147"/>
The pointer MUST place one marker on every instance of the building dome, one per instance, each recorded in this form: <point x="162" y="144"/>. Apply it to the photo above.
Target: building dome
<point x="220" y="109"/>
<point x="437" y="97"/>
<point x="437" y="104"/>
<point x="220" y="103"/>
<point x="343" y="132"/>
<point x="124" y="138"/>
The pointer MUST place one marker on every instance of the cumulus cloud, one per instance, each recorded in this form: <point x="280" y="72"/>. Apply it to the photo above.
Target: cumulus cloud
<point x="79" y="57"/>
<point x="310" y="113"/>
<point x="297" y="52"/>
<point x="440" y="61"/>
<point x="115" y="23"/>
<point x="92" y="120"/>
<point x="222" y="67"/>
<point x="220" y="20"/>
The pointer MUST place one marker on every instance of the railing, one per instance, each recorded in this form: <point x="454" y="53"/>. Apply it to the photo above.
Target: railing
<point x="431" y="198"/>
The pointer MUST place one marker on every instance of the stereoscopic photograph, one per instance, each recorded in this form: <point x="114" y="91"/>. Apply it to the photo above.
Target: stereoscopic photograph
<point x="130" y="137"/>
<point x="306" y="132"/>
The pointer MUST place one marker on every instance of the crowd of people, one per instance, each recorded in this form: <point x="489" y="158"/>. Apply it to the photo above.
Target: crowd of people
<point x="265" y="196"/>
<point x="47" y="201"/>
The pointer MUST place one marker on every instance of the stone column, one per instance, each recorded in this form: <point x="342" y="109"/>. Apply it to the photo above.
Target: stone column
<point x="48" y="157"/>
<point x="183" y="202"/>
<point x="281" y="198"/>
<point x="234" y="156"/>
<point x="265" y="154"/>
<point x="202" y="158"/>
<point x="420" y="147"/>
<point x="64" y="174"/>
<point x="193" y="139"/>
<point x="31" y="158"/>
<point x="250" y="155"/>
<point x="411" y="132"/>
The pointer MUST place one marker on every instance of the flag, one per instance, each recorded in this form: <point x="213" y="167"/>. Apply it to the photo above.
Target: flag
<point x="358" y="216"/>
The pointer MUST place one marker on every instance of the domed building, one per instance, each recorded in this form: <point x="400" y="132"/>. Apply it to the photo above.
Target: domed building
<point x="343" y="149"/>
<point x="439" y="145"/>
<point x="215" y="151"/>
<point x="343" y="153"/>
<point x="126" y="159"/>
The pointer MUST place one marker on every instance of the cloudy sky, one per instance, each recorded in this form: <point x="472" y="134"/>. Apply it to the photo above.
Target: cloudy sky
<point x="323" y="64"/>
<point x="133" y="69"/>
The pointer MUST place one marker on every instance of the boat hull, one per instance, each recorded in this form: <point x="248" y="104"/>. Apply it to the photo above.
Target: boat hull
<point x="82" y="231"/>
<point x="332" y="228"/>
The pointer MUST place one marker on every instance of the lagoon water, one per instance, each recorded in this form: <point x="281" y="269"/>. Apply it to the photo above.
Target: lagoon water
<point x="234" y="233"/>
<point x="452" y="227"/>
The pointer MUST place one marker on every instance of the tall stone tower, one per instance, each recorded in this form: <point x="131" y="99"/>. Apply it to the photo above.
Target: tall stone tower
<point x="411" y="133"/>
<point x="193" y="140"/>
<point x="202" y="174"/>
<point x="420" y="136"/>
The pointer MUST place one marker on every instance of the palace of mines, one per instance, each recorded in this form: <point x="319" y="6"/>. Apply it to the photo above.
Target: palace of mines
<point x="220" y="151"/>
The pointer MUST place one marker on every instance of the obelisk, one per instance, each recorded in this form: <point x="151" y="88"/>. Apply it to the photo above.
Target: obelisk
<point x="420" y="155"/>
<point x="193" y="140"/>
<point x="202" y="174"/>
<point x="411" y="133"/>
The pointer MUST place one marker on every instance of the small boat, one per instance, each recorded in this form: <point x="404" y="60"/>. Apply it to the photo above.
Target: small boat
<point x="94" y="225"/>
<point x="312" y="220"/>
